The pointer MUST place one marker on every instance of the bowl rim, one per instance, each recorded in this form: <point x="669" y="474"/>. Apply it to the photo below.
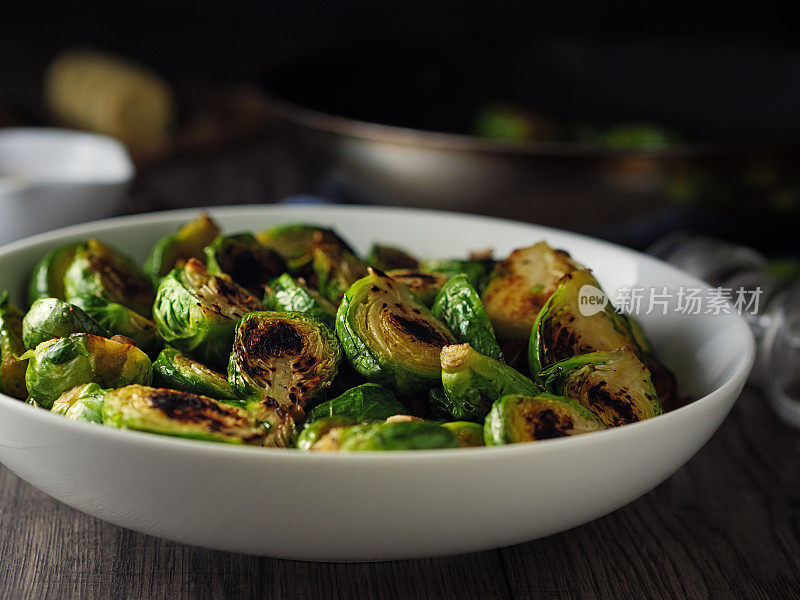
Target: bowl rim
<point x="177" y="445"/>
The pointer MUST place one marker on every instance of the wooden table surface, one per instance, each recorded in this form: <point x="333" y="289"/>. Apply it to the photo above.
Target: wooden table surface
<point x="727" y="525"/>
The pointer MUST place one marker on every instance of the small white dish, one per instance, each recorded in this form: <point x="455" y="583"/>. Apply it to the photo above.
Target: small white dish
<point x="373" y="506"/>
<point x="51" y="178"/>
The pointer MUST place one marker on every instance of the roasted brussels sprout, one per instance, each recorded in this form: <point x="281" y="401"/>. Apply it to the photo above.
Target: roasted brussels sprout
<point x="367" y="402"/>
<point x="468" y="434"/>
<point x="100" y="270"/>
<point x="176" y="371"/>
<point x="390" y="337"/>
<point x="663" y="379"/>
<point x="59" y="365"/>
<point x="286" y="294"/>
<point x="81" y="403"/>
<point x="335" y="269"/>
<point x="408" y="435"/>
<point x="196" y="312"/>
<point x="47" y="280"/>
<point x="389" y="257"/>
<point x="520" y="418"/>
<point x="12" y="366"/>
<point x="563" y="330"/>
<point x="520" y="285"/>
<point x="472" y="382"/>
<point x="179" y="414"/>
<point x="280" y="423"/>
<point x="459" y="306"/>
<point x="295" y="242"/>
<point x="322" y="434"/>
<point x="424" y="284"/>
<point x="475" y="270"/>
<point x="51" y="318"/>
<point x="121" y="320"/>
<point x="248" y="263"/>
<point x="290" y="357"/>
<point x="176" y="248"/>
<point x="615" y="385"/>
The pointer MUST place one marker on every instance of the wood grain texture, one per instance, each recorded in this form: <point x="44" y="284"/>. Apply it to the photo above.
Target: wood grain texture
<point x="727" y="525"/>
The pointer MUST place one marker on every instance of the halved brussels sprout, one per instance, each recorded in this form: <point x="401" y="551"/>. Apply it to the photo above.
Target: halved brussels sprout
<point x="424" y="284"/>
<point x="98" y="269"/>
<point x="408" y="435"/>
<point x="472" y="382"/>
<point x="176" y="371"/>
<point x="468" y="434"/>
<point x="367" y="402"/>
<point x="322" y="434"/>
<point x="51" y="318"/>
<point x="520" y="285"/>
<point x="280" y="423"/>
<point x="286" y="294"/>
<point x="389" y="257"/>
<point x="563" y="329"/>
<point x="179" y="414"/>
<point x="176" y="248"/>
<point x="475" y="270"/>
<point x="459" y="306"/>
<point x="248" y="263"/>
<point x="615" y="385"/>
<point x="12" y="366"/>
<point x="663" y="379"/>
<point x="59" y="365"/>
<point x="121" y="320"/>
<point x="519" y="418"/>
<point x="335" y="268"/>
<point x="390" y="337"/>
<point x="290" y="357"/>
<point x="295" y="242"/>
<point x="47" y="280"/>
<point x="81" y="403"/>
<point x="196" y="312"/>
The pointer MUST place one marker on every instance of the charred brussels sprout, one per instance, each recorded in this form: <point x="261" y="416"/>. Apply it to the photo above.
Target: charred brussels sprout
<point x="286" y="294"/>
<point x="520" y="418"/>
<point x="663" y="379"/>
<point x="288" y="357"/>
<point x="323" y="434"/>
<point x="179" y="372"/>
<point x="424" y="284"/>
<point x="176" y="248"/>
<point x="563" y="330"/>
<point x="51" y="318"/>
<point x="295" y="243"/>
<point x="121" y="320"/>
<point x="335" y="269"/>
<point x="614" y="385"/>
<point x="472" y="382"/>
<point x="388" y="257"/>
<point x="476" y="271"/>
<point x="47" y="280"/>
<point x="60" y="365"/>
<point x="407" y="435"/>
<point x="81" y="403"/>
<point x="280" y="423"/>
<point x="179" y="414"/>
<point x="196" y="312"/>
<point x="468" y="434"/>
<point x="520" y="285"/>
<point x="100" y="270"/>
<point x="459" y="306"/>
<point x="390" y="337"/>
<point x="248" y="263"/>
<point x="12" y="367"/>
<point x="367" y="402"/>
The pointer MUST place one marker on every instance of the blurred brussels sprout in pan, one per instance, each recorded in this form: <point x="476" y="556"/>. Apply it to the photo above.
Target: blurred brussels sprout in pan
<point x="196" y="312"/>
<point x="407" y="435"/>
<point x="286" y="294"/>
<point x="121" y="320"/>
<point x="528" y="418"/>
<point x="61" y="364"/>
<point x="390" y="337"/>
<point x="476" y="271"/>
<point x="367" y="402"/>
<point x="12" y="366"/>
<point x="81" y="403"/>
<point x="295" y="243"/>
<point x="245" y="260"/>
<point x="323" y="434"/>
<point x="173" y="369"/>
<point x="47" y="279"/>
<point x="98" y="269"/>
<point x="615" y="385"/>
<point x="520" y="285"/>
<point x="425" y="285"/>
<point x="468" y="434"/>
<point x="386" y="258"/>
<point x="177" y="248"/>
<point x="335" y="269"/>
<point x="472" y="382"/>
<point x="179" y="414"/>
<point x="51" y="318"/>
<point x="459" y="307"/>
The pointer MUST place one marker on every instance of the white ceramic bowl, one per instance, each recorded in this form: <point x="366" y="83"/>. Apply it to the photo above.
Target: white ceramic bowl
<point x="56" y="177"/>
<point x="390" y="505"/>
